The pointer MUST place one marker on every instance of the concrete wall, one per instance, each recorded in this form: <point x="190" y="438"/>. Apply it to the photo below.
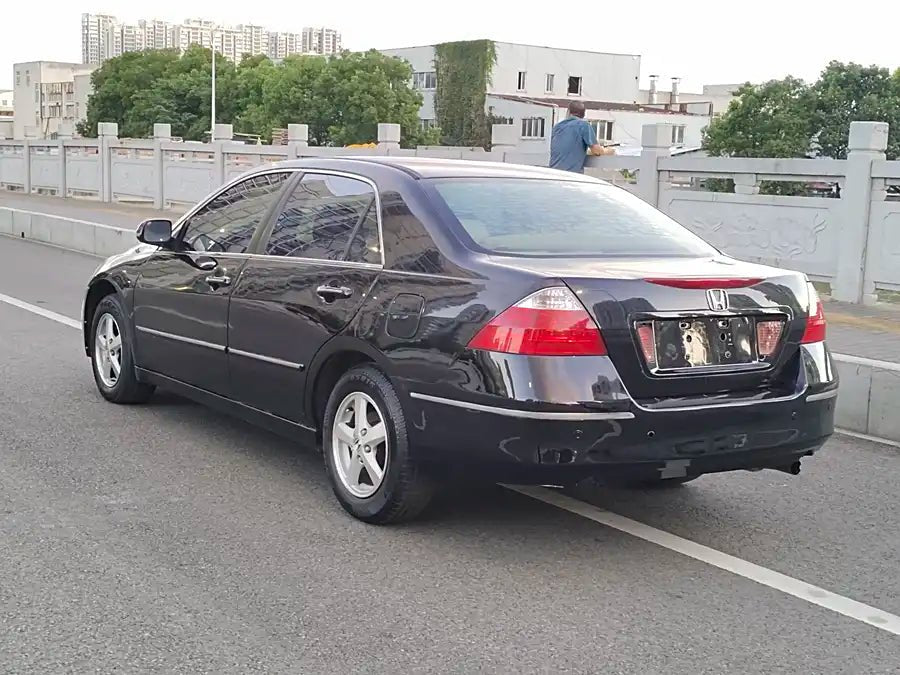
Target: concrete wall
<point x="852" y="242"/>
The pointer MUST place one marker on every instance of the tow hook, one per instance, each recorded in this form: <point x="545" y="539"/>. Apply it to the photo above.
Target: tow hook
<point x="793" y="468"/>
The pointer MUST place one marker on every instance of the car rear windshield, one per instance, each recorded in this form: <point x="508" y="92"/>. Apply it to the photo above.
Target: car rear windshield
<point x="536" y="217"/>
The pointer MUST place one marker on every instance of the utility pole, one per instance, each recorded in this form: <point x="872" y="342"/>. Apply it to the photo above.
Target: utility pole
<point x="212" y="125"/>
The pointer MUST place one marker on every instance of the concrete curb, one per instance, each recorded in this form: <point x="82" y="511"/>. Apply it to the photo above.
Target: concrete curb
<point x="870" y="389"/>
<point x="78" y="235"/>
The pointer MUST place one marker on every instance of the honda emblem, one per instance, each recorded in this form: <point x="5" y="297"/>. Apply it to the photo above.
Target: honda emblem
<point x="717" y="299"/>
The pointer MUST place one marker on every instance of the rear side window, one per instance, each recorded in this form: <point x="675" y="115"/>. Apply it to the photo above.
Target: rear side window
<point x="517" y="216"/>
<point x="329" y="218"/>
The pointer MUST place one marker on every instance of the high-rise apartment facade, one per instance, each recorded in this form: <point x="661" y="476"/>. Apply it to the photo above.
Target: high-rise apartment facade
<point x="103" y="37"/>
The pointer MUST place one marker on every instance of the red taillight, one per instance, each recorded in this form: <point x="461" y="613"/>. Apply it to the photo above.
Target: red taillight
<point x="815" y="324"/>
<point x="768" y="334"/>
<point x="551" y="322"/>
<point x="704" y="282"/>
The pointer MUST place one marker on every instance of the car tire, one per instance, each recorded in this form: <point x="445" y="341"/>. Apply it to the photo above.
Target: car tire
<point x="363" y="406"/>
<point x="112" y="354"/>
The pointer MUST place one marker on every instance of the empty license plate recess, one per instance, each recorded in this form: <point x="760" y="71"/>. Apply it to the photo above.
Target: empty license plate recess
<point x="703" y="342"/>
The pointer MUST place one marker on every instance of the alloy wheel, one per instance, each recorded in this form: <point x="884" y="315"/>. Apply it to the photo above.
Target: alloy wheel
<point x="108" y="350"/>
<point x="359" y="445"/>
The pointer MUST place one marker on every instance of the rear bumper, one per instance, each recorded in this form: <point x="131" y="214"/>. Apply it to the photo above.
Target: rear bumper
<point x="548" y="441"/>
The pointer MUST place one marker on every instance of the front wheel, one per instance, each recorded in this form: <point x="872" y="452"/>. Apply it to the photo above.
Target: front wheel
<point x="112" y="355"/>
<point x="367" y="453"/>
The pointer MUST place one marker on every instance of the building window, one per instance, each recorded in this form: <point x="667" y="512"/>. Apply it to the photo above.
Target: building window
<point x="532" y="127"/>
<point x="426" y="124"/>
<point x="678" y="134"/>
<point x="548" y="87"/>
<point x="37" y="93"/>
<point x="499" y="119"/>
<point x="520" y="85"/>
<point x="604" y="129"/>
<point x="574" y="86"/>
<point x="425" y="80"/>
<point x="18" y="77"/>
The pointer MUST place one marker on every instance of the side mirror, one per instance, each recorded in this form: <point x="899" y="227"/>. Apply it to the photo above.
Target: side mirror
<point x="156" y="232"/>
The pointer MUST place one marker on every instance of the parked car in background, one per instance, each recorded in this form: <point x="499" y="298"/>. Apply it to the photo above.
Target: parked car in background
<point x="419" y="318"/>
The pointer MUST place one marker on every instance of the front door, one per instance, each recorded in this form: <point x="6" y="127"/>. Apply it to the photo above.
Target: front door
<point x="181" y="297"/>
<point x="317" y="266"/>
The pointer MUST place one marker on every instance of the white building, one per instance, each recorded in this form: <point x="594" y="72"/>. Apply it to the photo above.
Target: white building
<point x="103" y="37"/>
<point x="321" y="41"/>
<point x="48" y="94"/>
<point x="531" y="88"/>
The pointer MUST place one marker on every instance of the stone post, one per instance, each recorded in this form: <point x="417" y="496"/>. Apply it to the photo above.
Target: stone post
<point x="107" y="134"/>
<point x="298" y="139"/>
<point x="504" y="138"/>
<point x="222" y="135"/>
<point x="746" y="184"/>
<point x="66" y="131"/>
<point x="388" y="137"/>
<point x="162" y="133"/>
<point x="868" y="141"/>
<point x="656" y="143"/>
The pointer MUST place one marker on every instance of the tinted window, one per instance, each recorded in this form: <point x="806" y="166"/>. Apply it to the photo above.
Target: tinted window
<point x="407" y="244"/>
<point x="565" y="218"/>
<point x="328" y="217"/>
<point x="226" y="224"/>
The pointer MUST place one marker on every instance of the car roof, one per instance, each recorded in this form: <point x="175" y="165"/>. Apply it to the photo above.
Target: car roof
<point x="427" y="167"/>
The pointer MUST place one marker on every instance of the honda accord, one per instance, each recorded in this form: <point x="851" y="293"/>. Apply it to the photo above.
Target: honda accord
<point x="420" y="319"/>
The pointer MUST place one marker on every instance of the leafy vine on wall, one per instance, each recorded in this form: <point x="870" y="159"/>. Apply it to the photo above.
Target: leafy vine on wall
<point x="463" y="71"/>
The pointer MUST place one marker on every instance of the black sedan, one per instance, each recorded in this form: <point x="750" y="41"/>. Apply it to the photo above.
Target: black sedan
<point x="422" y="319"/>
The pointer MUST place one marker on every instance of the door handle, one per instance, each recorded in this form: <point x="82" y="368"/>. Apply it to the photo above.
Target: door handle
<point x="218" y="280"/>
<point x="329" y="293"/>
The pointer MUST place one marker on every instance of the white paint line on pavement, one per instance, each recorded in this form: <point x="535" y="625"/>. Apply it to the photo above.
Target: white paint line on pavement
<point x="40" y="311"/>
<point x="761" y="575"/>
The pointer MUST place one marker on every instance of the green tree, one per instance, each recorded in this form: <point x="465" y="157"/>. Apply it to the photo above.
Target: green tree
<point x="774" y="119"/>
<point x="850" y="92"/>
<point x="341" y="98"/>
<point x="115" y="85"/>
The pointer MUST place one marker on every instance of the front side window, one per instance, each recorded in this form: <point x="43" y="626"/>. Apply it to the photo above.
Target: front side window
<point x="536" y="217"/>
<point x="329" y="218"/>
<point x="226" y="223"/>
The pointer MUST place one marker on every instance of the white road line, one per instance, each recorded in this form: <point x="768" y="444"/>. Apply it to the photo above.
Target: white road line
<point x="40" y="311"/>
<point x="761" y="575"/>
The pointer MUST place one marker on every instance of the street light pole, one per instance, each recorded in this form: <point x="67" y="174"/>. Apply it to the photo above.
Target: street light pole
<point x="212" y="116"/>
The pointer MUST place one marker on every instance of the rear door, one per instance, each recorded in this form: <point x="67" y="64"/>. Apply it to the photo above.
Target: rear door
<point x="313" y="272"/>
<point x="181" y="297"/>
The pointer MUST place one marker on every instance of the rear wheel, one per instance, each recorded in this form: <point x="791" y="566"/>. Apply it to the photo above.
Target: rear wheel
<point x="367" y="453"/>
<point x="112" y="355"/>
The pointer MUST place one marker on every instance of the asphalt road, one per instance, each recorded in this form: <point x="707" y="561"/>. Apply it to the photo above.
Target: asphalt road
<point x="167" y="537"/>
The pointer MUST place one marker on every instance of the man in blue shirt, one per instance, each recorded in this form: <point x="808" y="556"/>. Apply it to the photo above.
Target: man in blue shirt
<point x="571" y="139"/>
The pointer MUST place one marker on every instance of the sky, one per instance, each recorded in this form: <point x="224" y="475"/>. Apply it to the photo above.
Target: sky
<point x="700" y="41"/>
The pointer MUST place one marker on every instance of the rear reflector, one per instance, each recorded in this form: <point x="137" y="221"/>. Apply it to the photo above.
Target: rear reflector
<point x="768" y="334"/>
<point x="551" y="322"/>
<point x="647" y="340"/>
<point x="704" y="283"/>
<point x="815" y="323"/>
